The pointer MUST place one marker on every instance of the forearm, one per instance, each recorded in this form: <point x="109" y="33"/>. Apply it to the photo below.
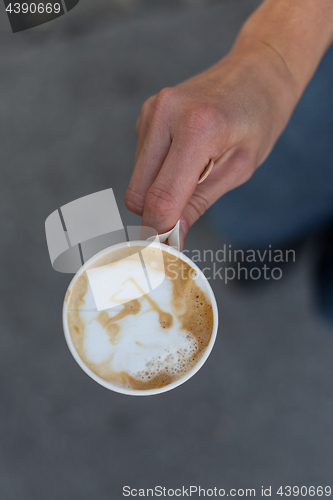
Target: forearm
<point x="232" y="113"/>
<point x="297" y="31"/>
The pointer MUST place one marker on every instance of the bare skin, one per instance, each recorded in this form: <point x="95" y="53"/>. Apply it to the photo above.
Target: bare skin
<point x="232" y="113"/>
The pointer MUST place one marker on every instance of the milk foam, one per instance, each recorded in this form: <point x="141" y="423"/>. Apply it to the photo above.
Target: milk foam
<point x="142" y="347"/>
<point x="149" y="341"/>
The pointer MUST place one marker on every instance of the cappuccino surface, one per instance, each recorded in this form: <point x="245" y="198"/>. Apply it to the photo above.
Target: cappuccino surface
<point x="154" y="338"/>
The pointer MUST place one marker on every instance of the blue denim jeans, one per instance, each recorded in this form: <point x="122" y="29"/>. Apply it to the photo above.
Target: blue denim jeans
<point x="291" y="195"/>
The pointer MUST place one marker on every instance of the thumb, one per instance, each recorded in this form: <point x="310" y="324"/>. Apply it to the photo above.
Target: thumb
<point x="173" y="187"/>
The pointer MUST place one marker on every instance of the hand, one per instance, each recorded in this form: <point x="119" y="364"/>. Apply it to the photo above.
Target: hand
<point x="232" y="113"/>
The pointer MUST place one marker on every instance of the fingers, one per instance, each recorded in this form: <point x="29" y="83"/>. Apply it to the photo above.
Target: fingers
<point x="142" y="125"/>
<point x="202" y="198"/>
<point x="177" y="138"/>
<point x="173" y="150"/>
<point x="154" y="140"/>
<point x="173" y="187"/>
<point x="234" y="168"/>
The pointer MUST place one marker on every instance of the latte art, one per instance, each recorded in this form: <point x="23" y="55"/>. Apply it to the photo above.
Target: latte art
<point x="151" y="340"/>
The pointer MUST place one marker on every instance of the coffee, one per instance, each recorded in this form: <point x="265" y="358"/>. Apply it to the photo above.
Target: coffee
<point x="152" y="340"/>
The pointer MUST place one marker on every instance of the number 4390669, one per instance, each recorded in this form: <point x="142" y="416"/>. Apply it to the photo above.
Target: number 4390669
<point x="303" y="491"/>
<point x="33" y="8"/>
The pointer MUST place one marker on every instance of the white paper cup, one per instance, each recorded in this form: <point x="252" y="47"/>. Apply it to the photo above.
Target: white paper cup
<point x="113" y="386"/>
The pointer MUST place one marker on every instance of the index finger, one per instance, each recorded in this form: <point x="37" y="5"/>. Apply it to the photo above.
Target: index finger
<point x="174" y="185"/>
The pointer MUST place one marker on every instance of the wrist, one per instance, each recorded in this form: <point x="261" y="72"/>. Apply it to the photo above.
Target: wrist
<point x="269" y="77"/>
<point x="267" y="58"/>
<point x="296" y="34"/>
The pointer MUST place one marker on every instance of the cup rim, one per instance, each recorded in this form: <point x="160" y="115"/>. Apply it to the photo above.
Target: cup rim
<point x="110" y="385"/>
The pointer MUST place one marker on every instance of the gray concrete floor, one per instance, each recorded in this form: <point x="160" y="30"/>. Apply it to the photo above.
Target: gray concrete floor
<point x="260" y="411"/>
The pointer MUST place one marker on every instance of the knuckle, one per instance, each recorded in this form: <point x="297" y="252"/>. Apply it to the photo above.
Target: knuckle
<point x="147" y="105"/>
<point x="159" y="201"/>
<point x="163" y="100"/>
<point x="134" y="202"/>
<point x="145" y="114"/>
<point x="147" y="108"/>
<point x="199" y="203"/>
